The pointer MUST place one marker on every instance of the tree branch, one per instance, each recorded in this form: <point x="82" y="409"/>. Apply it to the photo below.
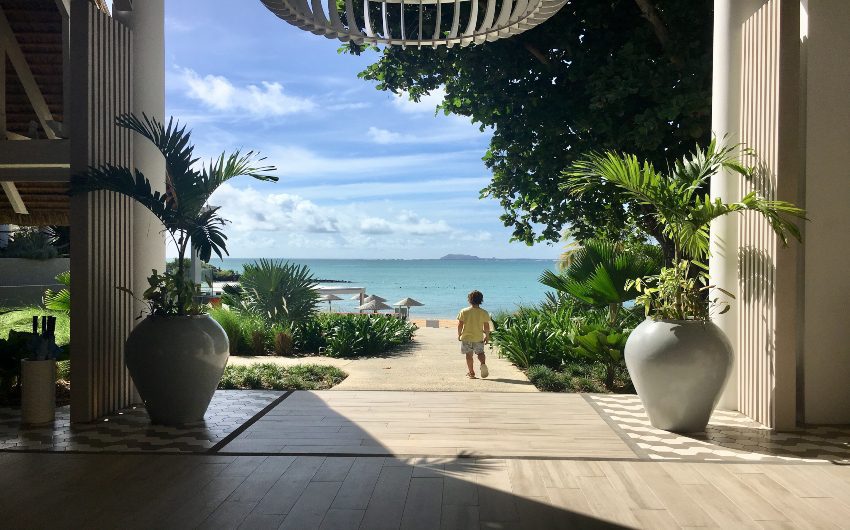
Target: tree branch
<point x="650" y="13"/>
<point x="537" y="54"/>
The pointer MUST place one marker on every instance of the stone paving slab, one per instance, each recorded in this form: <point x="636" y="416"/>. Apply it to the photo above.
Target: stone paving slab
<point x="433" y="362"/>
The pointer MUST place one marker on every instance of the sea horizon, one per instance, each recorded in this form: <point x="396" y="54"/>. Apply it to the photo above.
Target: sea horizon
<point x="440" y="284"/>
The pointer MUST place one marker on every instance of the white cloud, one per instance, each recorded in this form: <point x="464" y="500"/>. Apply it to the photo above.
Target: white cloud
<point x="426" y="103"/>
<point x="251" y="211"/>
<point x="383" y="136"/>
<point x="219" y="93"/>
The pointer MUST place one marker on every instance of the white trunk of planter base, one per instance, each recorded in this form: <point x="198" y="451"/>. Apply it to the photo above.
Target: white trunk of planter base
<point x="38" y="391"/>
<point x="678" y="368"/>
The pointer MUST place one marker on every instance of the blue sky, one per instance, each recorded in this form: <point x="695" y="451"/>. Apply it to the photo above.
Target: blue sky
<point x="363" y="173"/>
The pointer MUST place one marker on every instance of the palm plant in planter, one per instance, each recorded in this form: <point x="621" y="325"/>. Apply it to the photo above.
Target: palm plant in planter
<point x="176" y="355"/>
<point x="678" y="359"/>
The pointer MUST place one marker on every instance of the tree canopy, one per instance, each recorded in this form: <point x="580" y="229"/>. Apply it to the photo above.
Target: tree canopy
<point x="623" y="75"/>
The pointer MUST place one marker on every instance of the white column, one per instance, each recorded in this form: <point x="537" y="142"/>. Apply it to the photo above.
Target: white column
<point x="726" y="89"/>
<point x="147" y="19"/>
<point x="827" y="245"/>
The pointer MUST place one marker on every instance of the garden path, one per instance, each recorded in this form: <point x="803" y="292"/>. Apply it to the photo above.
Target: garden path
<point x="433" y="362"/>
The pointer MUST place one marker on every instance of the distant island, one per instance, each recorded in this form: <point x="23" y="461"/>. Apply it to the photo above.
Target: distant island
<point x="459" y="256"/>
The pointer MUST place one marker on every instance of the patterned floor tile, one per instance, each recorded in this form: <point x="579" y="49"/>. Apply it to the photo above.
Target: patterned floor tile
<point x="730" y="436"/>
<point x="130" y="430"/>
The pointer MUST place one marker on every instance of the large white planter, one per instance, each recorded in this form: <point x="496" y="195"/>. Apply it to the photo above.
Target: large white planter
<point x="176" y="364"/>
<point x="38" y="391"/>
<point x="679" y="369"/>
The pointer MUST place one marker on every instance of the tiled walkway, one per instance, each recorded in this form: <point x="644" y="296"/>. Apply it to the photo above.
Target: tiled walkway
<point x="129" y="430"/>
<point x="431" y="424"/>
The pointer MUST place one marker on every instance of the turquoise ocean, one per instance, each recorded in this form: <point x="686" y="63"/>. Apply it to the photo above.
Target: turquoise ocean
<point x="442" y="285"/>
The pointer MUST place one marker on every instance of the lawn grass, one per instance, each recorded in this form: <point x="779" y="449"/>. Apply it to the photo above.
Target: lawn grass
<point x="20" y="319"/>
<point x="268" y="376"/>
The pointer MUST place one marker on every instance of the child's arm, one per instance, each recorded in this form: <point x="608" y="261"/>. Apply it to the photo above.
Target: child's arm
<point x="459" y="328"/>
<point x="486" y="332"/>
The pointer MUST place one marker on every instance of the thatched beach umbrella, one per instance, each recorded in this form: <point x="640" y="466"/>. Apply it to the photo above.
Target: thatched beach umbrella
<point x="330" y="297"/>
<point x="374" y="297"/>
<point x="374" y="306"/>
<point x="407" y="303"/>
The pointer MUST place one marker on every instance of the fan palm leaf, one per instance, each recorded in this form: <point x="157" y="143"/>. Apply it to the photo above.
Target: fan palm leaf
<point x="280" y="292"/>
<point x="678" y="200"/>
<point x="600" y="270"/>
<point x="182" y="208"/>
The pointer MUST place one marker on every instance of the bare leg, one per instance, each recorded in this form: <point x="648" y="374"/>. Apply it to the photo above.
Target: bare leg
<point x="469" y="364"/>
<point x="483" y="359"/>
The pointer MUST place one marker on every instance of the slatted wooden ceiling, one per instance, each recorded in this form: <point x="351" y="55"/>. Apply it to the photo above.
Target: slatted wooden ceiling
<point x="37" y="25"/>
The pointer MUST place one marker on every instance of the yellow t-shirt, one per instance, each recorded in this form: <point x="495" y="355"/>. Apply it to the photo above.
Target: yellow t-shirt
<point x="473" y="319"/>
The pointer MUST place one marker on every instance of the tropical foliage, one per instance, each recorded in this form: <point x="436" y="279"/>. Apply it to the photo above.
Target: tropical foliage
<point x="619" y="74"/>
<point x="182" y="208"/>
<point x="365" y="335"/>
<point x="334" y="335"/>
<point x="571" y="335"/>
<point x="278" y="292"/>
<point x="29" y="243"/>
<point x="61" y="299"/>
<point x="599" y="273"/>
<point x="684" y="211"/>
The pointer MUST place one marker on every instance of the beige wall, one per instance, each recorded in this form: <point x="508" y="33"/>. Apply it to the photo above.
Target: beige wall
<point x="826" y="339"/>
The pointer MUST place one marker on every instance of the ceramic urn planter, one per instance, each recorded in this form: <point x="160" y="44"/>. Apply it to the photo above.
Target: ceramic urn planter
<point x="679" y="368"/>
<point x="176" y="363"/>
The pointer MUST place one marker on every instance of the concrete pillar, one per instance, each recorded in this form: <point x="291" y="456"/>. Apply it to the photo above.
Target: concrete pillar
<point x="729" y="16"/>
<point x="147" y="20"/>
<point x="826" y="335"/>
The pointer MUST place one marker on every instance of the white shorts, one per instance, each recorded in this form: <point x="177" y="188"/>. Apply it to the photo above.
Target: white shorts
<point x="468" y="348"/>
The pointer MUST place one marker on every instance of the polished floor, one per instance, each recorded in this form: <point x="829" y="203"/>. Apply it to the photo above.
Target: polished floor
<point x="472" y="424"/>
<point x="202" y="491"/>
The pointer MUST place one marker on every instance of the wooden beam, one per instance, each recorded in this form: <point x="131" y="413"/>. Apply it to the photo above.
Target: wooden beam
<point x="35" y="153"/>
<point x="64" y="7"/>
<point x="2" y="86"/>
<point x="19" y="62"/>
<point x="14" y="198"/>
<point x="52" y="174"/>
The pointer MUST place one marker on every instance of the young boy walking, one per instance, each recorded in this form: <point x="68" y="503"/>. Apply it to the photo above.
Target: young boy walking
<point x="473" y="330"/>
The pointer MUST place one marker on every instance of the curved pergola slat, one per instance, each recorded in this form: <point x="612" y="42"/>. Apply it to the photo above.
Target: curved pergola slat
<point x="470" y="23"/>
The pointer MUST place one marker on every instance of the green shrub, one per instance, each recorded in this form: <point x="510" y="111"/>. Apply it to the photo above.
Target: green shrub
<point x="530" y="340"/>
<point x="63" y="370"/>
<point x="309" y="336"/>
<point x="30" y="243"/>
<point x="546" y="379"/>
<point x="231" y="321"/>
<point x="282" y="341"/>
<point x="256" y="335"/>
<point x="365" y="335"/>
<point x="270" y="376"/>
<point x="279" y="292"/>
